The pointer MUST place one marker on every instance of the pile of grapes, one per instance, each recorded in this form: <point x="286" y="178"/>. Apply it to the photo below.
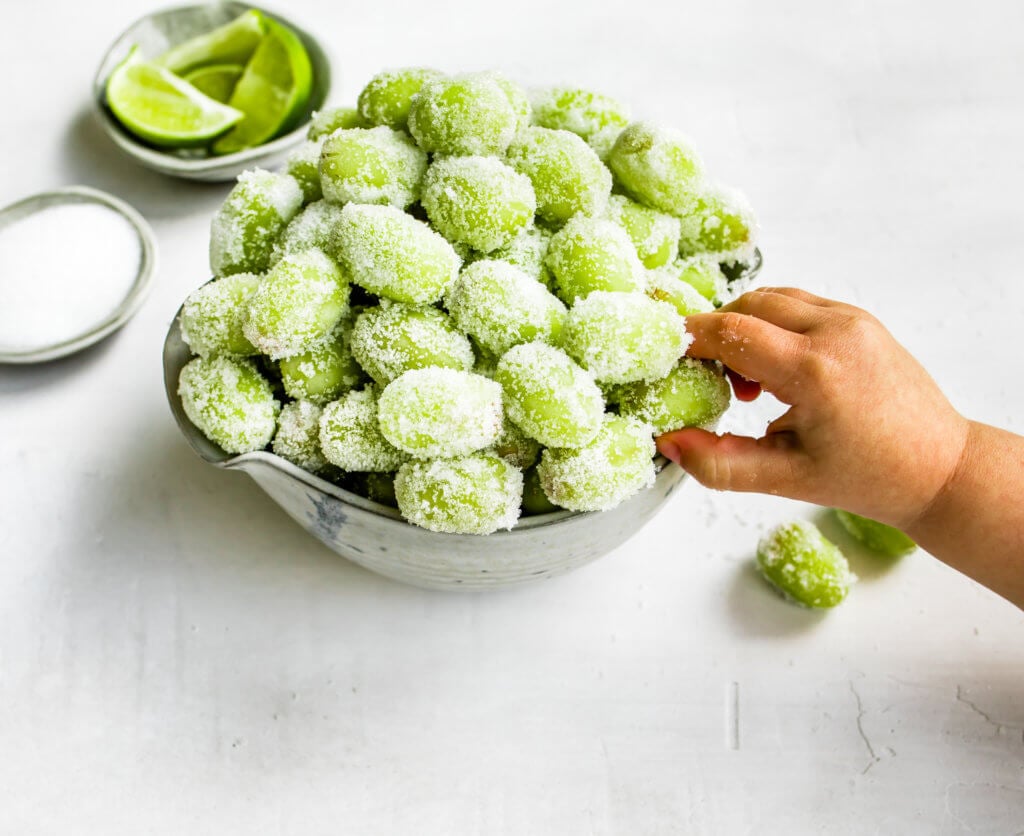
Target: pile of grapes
<point x="469" y="300"/>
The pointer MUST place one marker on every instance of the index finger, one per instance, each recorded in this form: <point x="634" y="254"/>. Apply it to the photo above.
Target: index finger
<point x="756" y="349"/>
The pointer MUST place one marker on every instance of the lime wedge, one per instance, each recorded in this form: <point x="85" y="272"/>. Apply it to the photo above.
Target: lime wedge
<point x="163" y="109"/>
<point x="232" y="43"/>
<point x="272" y="92"/>
<point x="217" y="81"/>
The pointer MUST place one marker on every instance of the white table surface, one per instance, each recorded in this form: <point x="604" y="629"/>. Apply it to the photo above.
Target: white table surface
<point x="176" y="656"/>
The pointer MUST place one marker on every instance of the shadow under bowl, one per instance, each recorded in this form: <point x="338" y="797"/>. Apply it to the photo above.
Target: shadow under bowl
<point x="155" y="34"/>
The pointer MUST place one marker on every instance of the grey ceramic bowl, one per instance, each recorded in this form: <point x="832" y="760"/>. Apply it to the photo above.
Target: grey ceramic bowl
<point x="377" y="538"/>
<point x="155" y="33"/>
<point x="136" y="293"/>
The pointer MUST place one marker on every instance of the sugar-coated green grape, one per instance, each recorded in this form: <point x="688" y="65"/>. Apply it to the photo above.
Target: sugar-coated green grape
<point x="704" y="274"/>
<point x="244" y="229"/>
<point x="297" y="305"/>
<point x="589" y="254"/>
<point x="476" y="494"/>
<point x="211" y="318"/>
<point x="323" y="373"/>
<point x="501" y="306"/>
<point x="230" y="402"/>
<point x="693" y="394"/>
<point x="371" y="165"/>
<point x="314" y="228"/>
<point x="805" y="567"/>
<point x="515" y="446"/>
<point x="623" y="337"/>
<point x="350" y="435"/>
<point x="604" y="140"/>
<point x="304" y="165"/>
<point x="720" y="221"/>
<point x="567" y="176"/>
<point x="463" y="115"/>
<point x="878" y="537"/>
<point x="535" y="501"/>
<point x="298" y="436"/>
<point x="436" y="412"/>
<point x="392" y="254"/>
<point x="478" y="201"/>
<point x="612" y="467"/>
<point x="658" y="167"/>
<point x="517" y="98"/>
<point x="583" y="112"/>
<point x="386" y="99"/>
<point x="665" y="285"/>
<point x="331" y="119"/>
<point x="548" y="396"/>
<point x="527" y="251"/>
<point x="389" y="341"/>
<point x="654" y="234"/>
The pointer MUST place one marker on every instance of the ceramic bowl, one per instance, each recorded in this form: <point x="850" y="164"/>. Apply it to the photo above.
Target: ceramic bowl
<point x="377" y="538"/>
<point x="155" y="33"/>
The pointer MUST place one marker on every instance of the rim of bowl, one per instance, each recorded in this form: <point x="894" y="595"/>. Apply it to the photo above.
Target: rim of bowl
<point x="136" y="294"/>
<point x="176" y="354"/>
<point x="170" y="162"/>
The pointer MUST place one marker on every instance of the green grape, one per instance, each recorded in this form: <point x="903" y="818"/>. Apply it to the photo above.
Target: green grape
<point x="463" y="115"/>
<point x="394" y="255"/>
<point x="535" y="501"/>
<point x="478" y="201"/>
<point x="517" y="98"/>
<point x="721" y="222"/>
<point x="658" y="167"/>
<point x="527" y="251"/>
<point x="665" y="285"/>
<point x="590" y="254"/>
<point x="386" y="99"/>
<point x="350" y="435"/>
<point x="500" y="306"/>
<point x="297" y="305"/>
<point x="583" y="112"/>
<point x="567" y="176"/>
<point x="298" y="436"/>
<point x="878" y="537"/>
<point x="436" y="412"/>
<point x="604" y="140"/>
<point x="704" y="274"/>
<point x="371" y="165"/>
<point x="244" y="229"/>
<point x="693" y="394"/>
<point x="476" y="494"/>
<point x="548" y="396"/>
<point x="304" y="165"/>
<point x="314" y="228"/>
<point x="230" y="402"/>
<point x="805" y="567"/>
<point x="515" y="446"/>
<point x="211" y="318"/>
<point x="321" y="374"/>
<point x="622" y="337"/>
<point x="389" y="341"/>
<point x="654" y="234"/>
<point x="326" y="122"/>
<point x="616" y="464"/>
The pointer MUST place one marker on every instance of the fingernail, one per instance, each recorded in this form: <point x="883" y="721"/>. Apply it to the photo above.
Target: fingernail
<point x="668" y="449"/>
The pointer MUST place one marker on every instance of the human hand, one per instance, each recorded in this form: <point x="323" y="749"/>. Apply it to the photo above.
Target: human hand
<point x="868" y="430"/>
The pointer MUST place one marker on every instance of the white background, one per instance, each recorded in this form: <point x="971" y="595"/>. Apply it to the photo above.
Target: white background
<point x="177" y="656"/>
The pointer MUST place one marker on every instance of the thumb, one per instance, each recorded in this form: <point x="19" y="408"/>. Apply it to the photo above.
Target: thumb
<point x="737" y="463"/>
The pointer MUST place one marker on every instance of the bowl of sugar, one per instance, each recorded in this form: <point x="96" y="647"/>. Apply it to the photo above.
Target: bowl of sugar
<point x="75" y="264"/>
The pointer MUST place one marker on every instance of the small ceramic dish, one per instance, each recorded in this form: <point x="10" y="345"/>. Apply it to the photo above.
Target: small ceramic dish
<point x="136" y="293"/>
<point x="377" y="538"/>
<point x="154" y="34"/>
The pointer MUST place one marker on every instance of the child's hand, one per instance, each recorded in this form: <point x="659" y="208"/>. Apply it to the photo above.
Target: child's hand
<point x="867" y="430"/>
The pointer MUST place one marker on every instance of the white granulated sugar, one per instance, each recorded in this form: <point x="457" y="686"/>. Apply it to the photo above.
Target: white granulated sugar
<point x="63" y="271"/>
